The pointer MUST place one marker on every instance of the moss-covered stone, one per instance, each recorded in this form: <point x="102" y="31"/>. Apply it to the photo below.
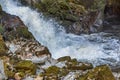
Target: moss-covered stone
<point x="3" y="48"/>
<point x="8" y="72"/>
<point x="53" y="70"/>
<point x="26" y="67"/>
<point x="1" y="29"/>
<point x="65" y="58"/>
<point x="83" y="66"/>
<point x="64" y="9"/>
<point x="23" y="32"/>
<point x="99" y="73"/>
<point x="64" y="72"/>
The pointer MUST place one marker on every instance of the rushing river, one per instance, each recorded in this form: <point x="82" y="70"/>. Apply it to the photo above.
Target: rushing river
<point x="98" y="48"/>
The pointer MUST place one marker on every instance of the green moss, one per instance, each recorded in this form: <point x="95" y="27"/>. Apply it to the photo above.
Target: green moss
<point x="23" y="32"/>
<point x="26" y="67"/>
<point x="8" y="72"/>
<point x="74" y="61"/>
<point x="3" y="48"/>
<point x="99" y="73"/>
<point x="64" y="72"/>
<point x="65" y="58"/>
<point x="1" y="29"/>
<point x="63" y="9"/>
<point x="52" y="70"/>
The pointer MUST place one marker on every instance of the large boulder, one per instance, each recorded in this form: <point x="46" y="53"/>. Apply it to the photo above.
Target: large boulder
<point x="11" y="27"/>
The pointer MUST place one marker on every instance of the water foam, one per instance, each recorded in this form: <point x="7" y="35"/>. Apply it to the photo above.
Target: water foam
<point x="94" y="47"/>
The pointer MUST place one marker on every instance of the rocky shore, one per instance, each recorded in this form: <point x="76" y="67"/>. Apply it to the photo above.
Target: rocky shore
<point x="23" y="58"/>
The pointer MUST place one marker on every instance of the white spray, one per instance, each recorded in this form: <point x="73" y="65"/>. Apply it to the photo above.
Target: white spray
<point x="94" y="47"/>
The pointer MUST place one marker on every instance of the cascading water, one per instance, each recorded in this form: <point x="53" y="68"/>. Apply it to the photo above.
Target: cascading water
<point x="96" y="48"/>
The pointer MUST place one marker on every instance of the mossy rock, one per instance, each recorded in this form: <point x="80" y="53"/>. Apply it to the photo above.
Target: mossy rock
<point x="63" y="9"/>
<point x="63" y="72"/>
<point x="65" y="58"/>
<point x="26" y="67"/>
<point x="74" y="61"/>
<point x="99" y="73"/>
<point x="1" y="29"/>
<point x="53" y="70"/>
<point x="8" y="72"/>
<point x="20" y="74"/>
<point x="23" y="32"/>
<point x="82" y="66"/>
<point x="3" y="48"/>
<point x="19" y="32"/>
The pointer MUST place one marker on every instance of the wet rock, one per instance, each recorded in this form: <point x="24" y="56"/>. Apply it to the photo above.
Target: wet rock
<point x="18" y="76"/>
<point x="99" y="73"/>
<point x="11" y="27"/>
<point x="53" y="70"/>
<point x="3" y="48"/>
<point x="8" y="67"/>
<point x="65" y="58"/>
<point x="26" y="67"/>
<point x="76" y="16"/>
<point x="80" y="66"/>
<point x="38" y="78"/>
<point x="29" y="50"/>
<point x="2" y="73"/>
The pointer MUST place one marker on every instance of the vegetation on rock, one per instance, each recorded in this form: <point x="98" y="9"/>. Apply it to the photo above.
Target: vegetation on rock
<point x="26" y="67"/>
<point x="99" y="73"/>
<point x="3" y="48"/>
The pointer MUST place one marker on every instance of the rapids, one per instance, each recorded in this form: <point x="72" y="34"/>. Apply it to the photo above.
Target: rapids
<point x="98" y="48"/>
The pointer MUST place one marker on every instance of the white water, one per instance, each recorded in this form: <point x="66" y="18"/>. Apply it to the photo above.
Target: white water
<point x="94" y="47"/>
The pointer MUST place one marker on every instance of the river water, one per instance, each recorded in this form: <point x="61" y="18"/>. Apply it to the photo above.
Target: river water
<point x="98" y="48"/>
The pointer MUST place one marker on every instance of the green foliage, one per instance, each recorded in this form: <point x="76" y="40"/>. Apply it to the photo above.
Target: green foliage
<point x="26" y="67"/>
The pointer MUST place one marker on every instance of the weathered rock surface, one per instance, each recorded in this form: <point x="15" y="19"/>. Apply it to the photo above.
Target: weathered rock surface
<point x="74" y="15"/>
<point x="28" y="49"/>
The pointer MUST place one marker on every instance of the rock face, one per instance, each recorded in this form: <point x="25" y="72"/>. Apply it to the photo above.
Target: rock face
<point x="18" y="39"/>
<point x="111" y="21"/>
<point x="113" y="7"/>
<point x="27" y="49"/>
<point x="12" y="27"/>
<point x="74" y="15"/>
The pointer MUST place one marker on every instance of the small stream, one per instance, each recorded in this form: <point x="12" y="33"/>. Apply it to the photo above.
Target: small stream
<point x="98" y="48"/>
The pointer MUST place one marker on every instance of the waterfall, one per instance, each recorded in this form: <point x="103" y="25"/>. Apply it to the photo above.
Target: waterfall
<point x="96" y="48"/>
